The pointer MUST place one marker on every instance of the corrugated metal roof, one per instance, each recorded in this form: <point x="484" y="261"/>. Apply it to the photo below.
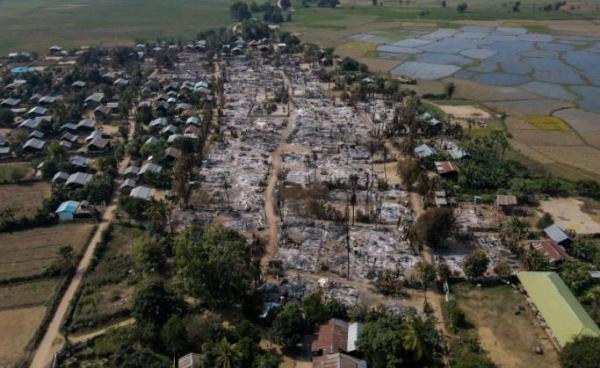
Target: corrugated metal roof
<point x="506" y="200"/>
<point x="332" y="337"/>
<point x="562" y="312"/>
<point x="338" y="361"/>
<point x="68" y="206"/>
<point x="550" y="249"/>
<point x="354" y="330"/>
<point x="555" y="233"/>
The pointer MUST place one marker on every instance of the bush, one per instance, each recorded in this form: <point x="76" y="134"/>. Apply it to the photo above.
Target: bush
<point x="462" y="7"/>
<point x="582" y="352"/>
<point x="545" y="221"/>
<point x="456" y="317"/>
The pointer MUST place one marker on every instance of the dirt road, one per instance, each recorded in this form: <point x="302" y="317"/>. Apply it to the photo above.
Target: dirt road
<point x="53" y="340"/>
<point x="271" y="216"/>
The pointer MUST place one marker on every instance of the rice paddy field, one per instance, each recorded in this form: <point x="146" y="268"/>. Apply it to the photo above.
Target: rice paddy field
<point x="37" y="24"/>
<point x="553" y="66"/>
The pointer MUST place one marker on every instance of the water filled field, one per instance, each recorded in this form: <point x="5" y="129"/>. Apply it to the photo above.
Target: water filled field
<point x="559" y="67"/>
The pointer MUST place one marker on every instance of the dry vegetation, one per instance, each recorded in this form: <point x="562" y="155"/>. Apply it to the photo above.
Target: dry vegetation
<point x="23" y="199"/>
<point x="27" y="294"/>
<point x="28" y="253"/>
<point x="18" y="327"/>
<point x="510" y="338"/>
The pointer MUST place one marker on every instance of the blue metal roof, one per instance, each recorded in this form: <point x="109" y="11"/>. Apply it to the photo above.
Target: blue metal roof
<point x="68" y="206"/>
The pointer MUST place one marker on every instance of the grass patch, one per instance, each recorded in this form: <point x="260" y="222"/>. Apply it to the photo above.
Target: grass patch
<point x="491" y="126"/>
<point x="358" y="48"/>
<point x="14" y="172"/>
<point x="547" y="123"/>
<point x="29" y="253"/>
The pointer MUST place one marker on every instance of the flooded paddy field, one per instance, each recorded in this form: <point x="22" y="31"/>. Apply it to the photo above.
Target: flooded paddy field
<point x="553" y="66"/>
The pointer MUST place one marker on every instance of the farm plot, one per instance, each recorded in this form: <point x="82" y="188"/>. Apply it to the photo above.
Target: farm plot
<point x="27" y="294"/>
<point x="547" y="123"/>
<point x="30" y="252"/>
<point x="18" y="327"/>
<point x="23" y="199"/>
<point x="509" y="337"/>
<point x="585" y="123"/>
<point x="22" y="308"/>
<point x="107" y="289"/>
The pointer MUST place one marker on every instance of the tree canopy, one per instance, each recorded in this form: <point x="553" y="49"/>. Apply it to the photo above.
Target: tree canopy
<point x="215" y="264"/>
<point x="582" y="352"/>
<point x="239" y="11"/>
<point x="434" y="225"/>
<point x="476" y="264"/>
<point x="390" y="342"/>
<point x="289" y="326"/>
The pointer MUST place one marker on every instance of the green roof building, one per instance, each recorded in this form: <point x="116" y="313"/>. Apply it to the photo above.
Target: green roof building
<point x="558" y="306"/>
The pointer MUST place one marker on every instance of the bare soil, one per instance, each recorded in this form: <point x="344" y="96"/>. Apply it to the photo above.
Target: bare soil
<point x="465" y="111"/>
<point x="509" y="338"/>
<point x="568" y="213"/>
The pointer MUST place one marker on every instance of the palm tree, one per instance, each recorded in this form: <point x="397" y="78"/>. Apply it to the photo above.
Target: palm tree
<point x="414" y="338"/>
<point x="226" y="354"/>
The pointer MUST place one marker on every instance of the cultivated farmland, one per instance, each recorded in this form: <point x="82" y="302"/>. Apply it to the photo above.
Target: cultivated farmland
<point x="18" y="327"/>
<point x="30" y="252"/>
<point x="35" y="24"/>
<point x="23" y="199"/>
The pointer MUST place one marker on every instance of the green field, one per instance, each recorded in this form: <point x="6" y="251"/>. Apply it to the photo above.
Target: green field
<point x="37" y="24"/>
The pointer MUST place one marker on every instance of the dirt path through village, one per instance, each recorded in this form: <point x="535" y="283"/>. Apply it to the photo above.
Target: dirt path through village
<point x="53" y="339"/>
<point x="90" y="335"/>
<point x="271" y="217"/>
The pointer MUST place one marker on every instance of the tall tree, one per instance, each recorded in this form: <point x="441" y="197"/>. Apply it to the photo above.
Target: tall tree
<point x="435" y="225"/>
<point x="203" y="255"/>
<point x="289" y="326"/>
<point x="226" y="354"/>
